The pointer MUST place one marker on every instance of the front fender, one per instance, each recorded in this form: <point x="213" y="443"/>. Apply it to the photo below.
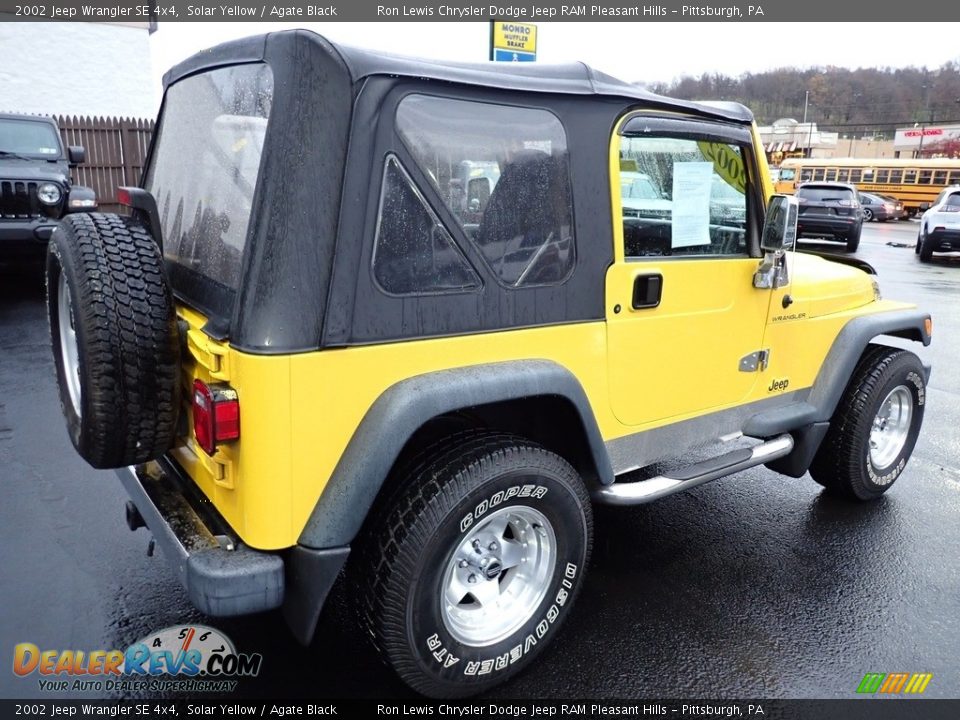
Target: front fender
<point x="849" y="345"/>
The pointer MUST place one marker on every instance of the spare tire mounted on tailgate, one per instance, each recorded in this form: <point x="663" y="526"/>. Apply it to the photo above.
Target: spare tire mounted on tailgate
<point x="115" y="343"/>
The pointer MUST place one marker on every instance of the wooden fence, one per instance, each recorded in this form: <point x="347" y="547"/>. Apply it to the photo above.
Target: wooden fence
<point x="116" y="150"/>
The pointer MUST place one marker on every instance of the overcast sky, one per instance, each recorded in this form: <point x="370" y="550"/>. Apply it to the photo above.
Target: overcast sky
<point x="632" y="51"/>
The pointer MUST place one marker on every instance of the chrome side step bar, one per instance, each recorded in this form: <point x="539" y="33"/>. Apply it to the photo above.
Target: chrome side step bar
<point x="644" y="491"/>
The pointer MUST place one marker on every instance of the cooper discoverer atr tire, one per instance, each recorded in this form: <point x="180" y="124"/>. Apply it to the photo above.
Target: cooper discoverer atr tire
<point x="472" y="565"/>
<point x="114" y="335"/>
<point x="875" y="426"/>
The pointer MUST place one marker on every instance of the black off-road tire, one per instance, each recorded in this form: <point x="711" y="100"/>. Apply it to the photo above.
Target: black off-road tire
<point x="844" y="464"/>
<point x="853" y="240"/>
<point x="126" y="341"/>
<point x="402" y="568"/>
<point x="924" y="248"/>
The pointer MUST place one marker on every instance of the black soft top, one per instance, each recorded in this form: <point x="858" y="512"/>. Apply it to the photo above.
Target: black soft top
<point x="569" y="78"/>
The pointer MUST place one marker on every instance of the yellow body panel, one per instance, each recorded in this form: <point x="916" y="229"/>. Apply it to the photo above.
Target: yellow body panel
<point x="298" y="412"/>
<point x="683" y="356"/>
<point x="639" y="369"/>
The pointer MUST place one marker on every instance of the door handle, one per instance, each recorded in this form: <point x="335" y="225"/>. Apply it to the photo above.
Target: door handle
<point x="647" y="290"/>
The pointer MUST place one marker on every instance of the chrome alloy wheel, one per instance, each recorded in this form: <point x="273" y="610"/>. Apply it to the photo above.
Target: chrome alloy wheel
<point x="891" y="427"/>
<point x="498" y="575"/>
<point x="69" y="353"/>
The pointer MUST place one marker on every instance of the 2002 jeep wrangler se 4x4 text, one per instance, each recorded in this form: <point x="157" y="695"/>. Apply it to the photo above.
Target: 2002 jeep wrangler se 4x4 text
<point x="411" y="320"/>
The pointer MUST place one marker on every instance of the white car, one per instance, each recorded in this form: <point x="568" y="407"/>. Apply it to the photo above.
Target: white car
<point x="641" y="197"/>
<point x="940" y="225"/>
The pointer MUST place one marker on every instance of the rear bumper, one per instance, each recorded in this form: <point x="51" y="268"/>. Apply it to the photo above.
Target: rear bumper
<point x="817" y="226"/>
<point x="943" y="240"/>
<point x="222" y="576"/>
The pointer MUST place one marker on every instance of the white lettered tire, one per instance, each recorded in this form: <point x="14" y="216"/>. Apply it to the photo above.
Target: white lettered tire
<point x="471" y="567"/>
<point x="875" y="426"/>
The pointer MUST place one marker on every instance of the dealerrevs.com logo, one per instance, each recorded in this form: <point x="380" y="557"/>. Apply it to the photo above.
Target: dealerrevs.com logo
<point x="187" y="658"/>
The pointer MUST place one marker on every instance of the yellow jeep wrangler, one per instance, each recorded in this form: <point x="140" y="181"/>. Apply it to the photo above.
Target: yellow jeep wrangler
<point x="410" y="320"/>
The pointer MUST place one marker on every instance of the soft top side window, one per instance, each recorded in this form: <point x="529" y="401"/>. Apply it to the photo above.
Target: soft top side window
<point x="413" y="253"/>
<point x="503" y="173"/>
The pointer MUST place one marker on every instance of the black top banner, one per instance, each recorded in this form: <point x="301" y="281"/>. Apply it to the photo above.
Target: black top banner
<point x="431" y="10"/>
<point x="497" y="710"/>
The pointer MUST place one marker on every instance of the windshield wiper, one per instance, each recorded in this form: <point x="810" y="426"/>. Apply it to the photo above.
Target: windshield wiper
<point x="8" y="153"/>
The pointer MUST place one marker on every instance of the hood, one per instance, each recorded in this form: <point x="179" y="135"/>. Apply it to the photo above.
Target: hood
<point x="821" y="287"/>
<point x="37" y="170"/>
<point x="642" y="207"/>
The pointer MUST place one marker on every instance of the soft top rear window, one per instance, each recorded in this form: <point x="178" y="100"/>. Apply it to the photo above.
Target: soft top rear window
<point x="203" y="174"/>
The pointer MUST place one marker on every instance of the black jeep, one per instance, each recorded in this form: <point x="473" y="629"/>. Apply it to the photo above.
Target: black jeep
<point x="35" y="185"/>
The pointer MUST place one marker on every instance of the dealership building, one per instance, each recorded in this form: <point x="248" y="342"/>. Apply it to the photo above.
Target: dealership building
<point x="913" y="141"/>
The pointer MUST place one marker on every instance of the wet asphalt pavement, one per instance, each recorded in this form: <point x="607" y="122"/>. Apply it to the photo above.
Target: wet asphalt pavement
<point x="752" y="586"/>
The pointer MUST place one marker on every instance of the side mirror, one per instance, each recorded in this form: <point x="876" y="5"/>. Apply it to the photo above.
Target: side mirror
<point x="780" y="226"/>
<point x="76" y="154"/>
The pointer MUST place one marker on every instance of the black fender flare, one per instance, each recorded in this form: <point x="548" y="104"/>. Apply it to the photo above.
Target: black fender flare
<point x="809" y="421"/>
<point x="848" y="348"/>
<point x="405" y="407"/>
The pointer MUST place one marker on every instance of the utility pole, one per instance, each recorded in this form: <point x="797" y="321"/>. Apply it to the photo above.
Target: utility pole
<point x="806" y="104"/>
<point x="928" y="114"/>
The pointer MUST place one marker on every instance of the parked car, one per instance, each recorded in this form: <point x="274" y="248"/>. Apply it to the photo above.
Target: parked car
<point x="641" y="196"/>
<point x="902" y="212"/>
<point x="940" y="225"/>
<point x="881" y="207"/>
<point x="831" y="211"/>
<point x="642" y="199"/>
<point x="303" y="353"/>
<point x="35" y="185"/>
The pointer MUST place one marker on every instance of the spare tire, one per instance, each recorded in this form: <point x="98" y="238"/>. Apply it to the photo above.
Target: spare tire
<point x="115" y="342"/>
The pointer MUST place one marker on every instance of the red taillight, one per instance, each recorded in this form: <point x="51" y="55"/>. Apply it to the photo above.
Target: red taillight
<point x="216" y="415"/>
<point x="123" y="197"/>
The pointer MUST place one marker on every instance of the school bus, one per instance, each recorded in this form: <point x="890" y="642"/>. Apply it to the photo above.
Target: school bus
<point x="913" y="182"/>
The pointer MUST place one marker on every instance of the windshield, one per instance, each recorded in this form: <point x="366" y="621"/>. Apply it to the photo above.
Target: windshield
<point x="29" y="137"/>
<point x="638" y="187"/>
<point x="787" y="174"/>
